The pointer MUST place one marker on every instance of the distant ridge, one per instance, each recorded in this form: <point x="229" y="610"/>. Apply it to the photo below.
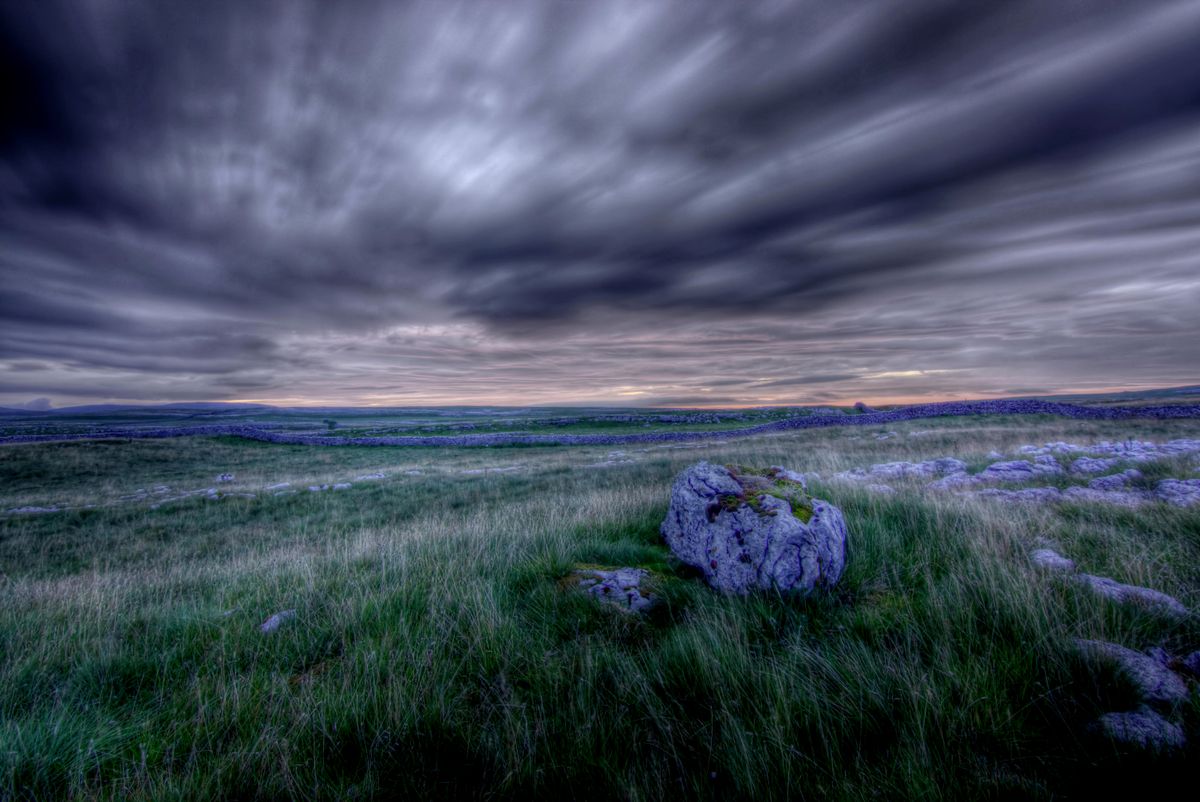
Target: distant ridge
<point x="945" y="409"/>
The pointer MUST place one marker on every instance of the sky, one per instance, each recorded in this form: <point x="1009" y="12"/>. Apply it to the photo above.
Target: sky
<point x="701" y="203"/>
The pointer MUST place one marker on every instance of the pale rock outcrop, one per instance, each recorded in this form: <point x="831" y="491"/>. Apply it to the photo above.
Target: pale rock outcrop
<point x="1092" y="465"/>
<point x="1020" y="470"/>
<point x="1154" y="682"/>
<point x="1116" y="481"/>
<point x="1123" y="498"/>
<point x="276" y="621"/>
<point x="1026" y="495"/>
<point x="1052" y="560"/>
<point x="1179" y="492"/>
<point x="1142" y="728"/>
<point x="906" y="470"/>
<point x="749" y="531"/>
<point x="1133" y="594"/>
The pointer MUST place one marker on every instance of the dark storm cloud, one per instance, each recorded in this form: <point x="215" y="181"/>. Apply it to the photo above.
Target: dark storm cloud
<point x="612" y="201"/>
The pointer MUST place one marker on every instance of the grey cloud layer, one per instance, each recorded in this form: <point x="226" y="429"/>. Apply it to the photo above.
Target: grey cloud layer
<point x="632" y="202"/>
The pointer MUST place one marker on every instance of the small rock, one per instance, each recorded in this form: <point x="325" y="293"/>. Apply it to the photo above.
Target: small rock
<point x="369" y="476"/>
<point x="1153" y="681"/>
<point x="620" y="587"/>
<point x="1133" y="594"/>
<point x="1020" y="470"/>
<point x="1179" y="492"/>
<point x="1123" y="498"/>
<point x="341" y="486"/>
<point x="1051" y="559"/>
<point x="885" y="489"/>
<point x="783" y="473"/>
<point x="276" y="621"/>
<point x="225" y="477"/>
<point x="995" y="455"/>
<point x="1116" y="481"/>
<point x="279" y="486"/>
<point x="1028" y="494"/>
<point x="1142" y="728"/>
<point x="1093" y="465"/>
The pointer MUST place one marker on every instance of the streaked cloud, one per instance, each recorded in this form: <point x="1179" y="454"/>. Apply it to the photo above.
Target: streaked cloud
<point x="614" y="202"/>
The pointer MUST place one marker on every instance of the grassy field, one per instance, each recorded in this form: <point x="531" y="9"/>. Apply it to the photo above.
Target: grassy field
<point x="437" y="652"/>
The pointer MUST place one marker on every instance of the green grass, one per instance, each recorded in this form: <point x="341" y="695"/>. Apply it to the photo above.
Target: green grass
<point x="437" y="652"/>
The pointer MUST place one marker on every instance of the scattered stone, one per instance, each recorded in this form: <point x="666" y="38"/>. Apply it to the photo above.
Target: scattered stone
<point x="1142" y="728"/>
<point x="276" y="621"/>
<point x="412" y="473"/>
<point x="341" y="486"/>
<point x="954" y="481"/>
<point x="620" y="587"/>
<point x="279" y="486"/>
<point x="1116" y="481"/>
<point x="1094" y="464"/>
<point x="1052" y="560"/>
<point x="995" y="455"/>
<point x="799" y="478"/>
<point x="1133" y="594"/>
<point x="225" y="477"/>
<point x="876" y="488"/>
<point x="748" y="531"/>
<point x="1179" y="492"/>
<point x="1124" y="498"/>
<point x="366" y="477"/>
<point x="1020" y="470"/>
<point x="1154" y="682"/>
<point x="1028" y="494"/>
<point x="905" y="470"/>
<point x="33" y="510"/>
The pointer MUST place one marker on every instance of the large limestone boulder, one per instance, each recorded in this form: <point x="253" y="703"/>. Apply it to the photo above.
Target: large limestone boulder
<point x="751" y="529"/>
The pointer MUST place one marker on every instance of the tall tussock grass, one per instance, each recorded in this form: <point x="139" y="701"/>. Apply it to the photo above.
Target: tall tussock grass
<point x="439" y="651"/>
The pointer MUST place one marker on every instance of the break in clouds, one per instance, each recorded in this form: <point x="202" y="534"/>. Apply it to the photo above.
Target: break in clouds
<point x="612" y="202"/>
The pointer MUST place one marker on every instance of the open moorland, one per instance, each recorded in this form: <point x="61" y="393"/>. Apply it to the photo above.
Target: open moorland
<point x="213" y="616"/>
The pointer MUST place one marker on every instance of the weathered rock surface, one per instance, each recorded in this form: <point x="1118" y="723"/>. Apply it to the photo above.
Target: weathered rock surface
<point x="620" y="587"/>
<point x="1027" y="494"/>
<point x="1133" y="594"/>
<point x="1052" y="560"/>
<point x="783" y="473"/>
<point x="276" y="621"/>
<point x="1020" y="470"/>
<point x="1094" y="464"/>
<point x="751" y="531"/>
<point x="1154" y="682"/>
<point x="1116" y="481"/>
<point x="1142" y="728"/>
<point x="1180" y="492"/>
<point x="906" y="470"/>
<point x="1123" y="498"/>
